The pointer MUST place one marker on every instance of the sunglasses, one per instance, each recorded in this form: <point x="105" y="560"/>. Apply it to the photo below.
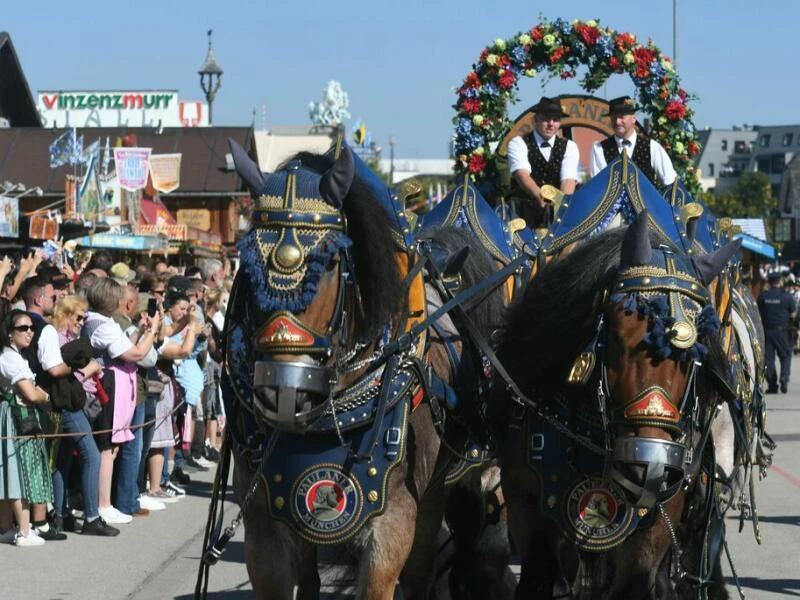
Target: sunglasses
<point x="80" y="318"/>
<point x="23" y="328"/>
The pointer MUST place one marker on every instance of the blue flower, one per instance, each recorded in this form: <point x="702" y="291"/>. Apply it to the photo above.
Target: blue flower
<point x="563" y="26"/>
<point x="657" y="70"/>
<point x="519" y="56"/>
<point x="464" y="127"/>
<point x="470" y="93"/>
<point x="578" y="48"/>
<point x="604" y="47"/>
<point x="490" y="89"/>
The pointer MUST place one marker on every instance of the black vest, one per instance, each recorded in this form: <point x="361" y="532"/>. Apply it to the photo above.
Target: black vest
<point x="543" y="172"/>
<point x="641" y="156"/>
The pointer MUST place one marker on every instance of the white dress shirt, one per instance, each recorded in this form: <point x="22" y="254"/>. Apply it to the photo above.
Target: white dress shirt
<point x="518" y="155"/>
<point x="659" y="159"/>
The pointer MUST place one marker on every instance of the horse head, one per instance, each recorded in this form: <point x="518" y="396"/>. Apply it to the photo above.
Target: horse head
<point x="301" y="308"/>
<point x="660" y="339"/>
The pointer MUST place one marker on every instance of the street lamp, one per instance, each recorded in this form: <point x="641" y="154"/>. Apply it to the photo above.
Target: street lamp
<point x="210" y="76"/>
<point x="391" y="160"/>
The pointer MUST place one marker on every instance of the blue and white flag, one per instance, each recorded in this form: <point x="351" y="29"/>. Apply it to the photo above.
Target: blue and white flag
<point x="92" y="152"/>
<point x="62" y="148"/>
<point x="106" y="156"/>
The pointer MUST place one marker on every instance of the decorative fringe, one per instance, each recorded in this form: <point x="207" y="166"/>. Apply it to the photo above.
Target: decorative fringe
<point x="297" y="299"/>
<point x="659" y="329"/>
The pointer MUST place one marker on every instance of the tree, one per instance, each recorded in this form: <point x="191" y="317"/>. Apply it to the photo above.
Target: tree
<point x="751" y="197"/>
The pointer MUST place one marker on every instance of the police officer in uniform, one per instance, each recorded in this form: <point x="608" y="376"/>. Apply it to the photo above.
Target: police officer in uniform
<point x="777" y="306"/>
<point x="649" y="156"/>
<point x="539" y="158"/>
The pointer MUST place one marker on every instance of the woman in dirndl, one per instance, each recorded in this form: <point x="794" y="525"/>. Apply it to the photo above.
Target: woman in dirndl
<point x="20" y="393"/>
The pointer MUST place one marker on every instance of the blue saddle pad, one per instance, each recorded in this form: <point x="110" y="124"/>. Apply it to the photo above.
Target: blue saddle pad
<point x="465" y="207"/>
<point x="619" y="188"/>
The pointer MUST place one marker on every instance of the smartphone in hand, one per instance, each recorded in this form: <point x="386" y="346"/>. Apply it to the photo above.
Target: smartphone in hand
<point x="152" y="307"/>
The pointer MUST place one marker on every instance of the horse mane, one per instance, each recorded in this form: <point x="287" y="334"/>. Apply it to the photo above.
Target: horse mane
<point x="377" y="273"/>
<point x="557" y="315"/>
<point x="487" y="314"/>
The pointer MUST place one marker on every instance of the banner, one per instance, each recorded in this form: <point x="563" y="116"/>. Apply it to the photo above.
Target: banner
<point x="9" y="216"/>
<point x="165" y="172"/>
<point x="131" y="166"/>
<point x="112" y="199"/>
<point x="42" y="228"/>
<point x="90" y="199"/>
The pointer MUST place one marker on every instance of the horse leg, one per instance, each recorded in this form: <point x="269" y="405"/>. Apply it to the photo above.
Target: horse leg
<point x="281" y="565"/>
<point x="386" y="544"/>
<point x="477" y="518"/>
<point x="388" y="540"/>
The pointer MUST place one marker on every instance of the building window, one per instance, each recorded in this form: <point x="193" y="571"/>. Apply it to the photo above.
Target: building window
<point x="764" y="140"/>
<point x="710" y="169"/>
<point x="724" y="145"/>
<point x="762" y="164"/>
<point x="778" y="163"/>
<point x="740" y="147"/>
<point x="787" y="139"/>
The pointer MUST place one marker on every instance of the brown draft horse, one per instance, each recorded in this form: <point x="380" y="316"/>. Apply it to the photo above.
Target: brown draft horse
<point x="606" y="458"/>
<point x="322" y="427"/>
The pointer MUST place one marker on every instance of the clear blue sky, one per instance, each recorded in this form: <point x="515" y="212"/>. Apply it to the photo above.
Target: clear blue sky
<point x="398" y="60"/>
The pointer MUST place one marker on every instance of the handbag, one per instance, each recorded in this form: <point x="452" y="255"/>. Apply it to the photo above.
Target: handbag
<point x="25" y="420"/>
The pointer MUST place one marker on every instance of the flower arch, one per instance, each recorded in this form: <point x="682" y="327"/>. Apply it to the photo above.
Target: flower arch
<point x="557" y="49"/>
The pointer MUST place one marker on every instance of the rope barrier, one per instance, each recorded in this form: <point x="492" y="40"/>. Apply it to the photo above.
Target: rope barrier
<point x="93" y="433"/>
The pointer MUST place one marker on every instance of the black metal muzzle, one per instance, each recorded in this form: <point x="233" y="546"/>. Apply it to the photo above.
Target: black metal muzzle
<point x="650" y="470"/>
<point x="291" y="396"/>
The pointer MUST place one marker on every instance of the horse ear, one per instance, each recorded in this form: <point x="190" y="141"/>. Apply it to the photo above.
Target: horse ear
<point x="636" y="248"/>
<point x="335" y="184"/>
<point x="708" y="266"/>
<point x="246" y="168"/>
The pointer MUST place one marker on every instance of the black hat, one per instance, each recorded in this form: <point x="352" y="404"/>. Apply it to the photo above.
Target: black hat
<point x="623" y="105"/>
<point x="549" y="106"/>
<point x="774" y="276"/>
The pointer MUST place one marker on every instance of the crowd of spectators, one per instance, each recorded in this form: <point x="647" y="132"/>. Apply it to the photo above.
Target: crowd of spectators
<point x="120" y="360"/>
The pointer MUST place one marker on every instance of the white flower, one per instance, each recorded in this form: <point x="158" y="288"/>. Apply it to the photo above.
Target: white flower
<point x="524" y="39"/>
<point x="549" y="40"/>
<point x="591" y="23"/>
<point x="530" y="72"/>
<point x="628" y="58"/>
<point x="500" y="44"/>
<point x="491" y="59"/>
<point x="477" y="120"/>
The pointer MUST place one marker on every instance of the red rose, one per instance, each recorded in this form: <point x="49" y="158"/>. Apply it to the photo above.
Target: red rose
<point x="536" y="34"/>
<point x="503" y="61"/>
<point x="694" y="148"/>
<point x="643" y="57"/>
<point x="471" y="106"/>
<point x="476" y="163"/>
<point x="472" y="80"/>
<point x="614" y="63"/>
<point x="567" y="74"/>
<point x="682" y="93"/>
<point x="588" y="34"/>
<point x="557" y="54"/>
<point x="675" y="111"/>
<point x="484" y="54"/>
<point x="507" y="80"/>
<point x="625" y="41"/>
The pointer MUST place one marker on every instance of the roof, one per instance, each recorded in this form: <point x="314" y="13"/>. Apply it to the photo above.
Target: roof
<point x="16" y="101"/>
<point x="752" y="227"/>
<point x="25" y="156"/>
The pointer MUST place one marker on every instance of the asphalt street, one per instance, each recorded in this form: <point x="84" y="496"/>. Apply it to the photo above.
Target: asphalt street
<point x="156" y="557"/>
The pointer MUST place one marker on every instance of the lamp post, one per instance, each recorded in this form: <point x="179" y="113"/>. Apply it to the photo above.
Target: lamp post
<point x="391" y="160"/>
<point x="210" y="77"/>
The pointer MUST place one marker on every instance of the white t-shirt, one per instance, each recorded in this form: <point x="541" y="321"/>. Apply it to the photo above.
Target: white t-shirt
<point x="13" y="368"/>
<point x="219" y="320"/>
<point x="518" y="155"/>
<point x="49" y="349"/>
<point x="659" y="159"/>
<point x="106" y="335"/>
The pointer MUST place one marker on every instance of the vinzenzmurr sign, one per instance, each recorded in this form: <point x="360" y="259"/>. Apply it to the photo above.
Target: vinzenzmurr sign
<point x="149" y="108"/>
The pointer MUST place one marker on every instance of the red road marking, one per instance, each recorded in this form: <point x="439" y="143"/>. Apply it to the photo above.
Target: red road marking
<point x="786" y="475"/>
